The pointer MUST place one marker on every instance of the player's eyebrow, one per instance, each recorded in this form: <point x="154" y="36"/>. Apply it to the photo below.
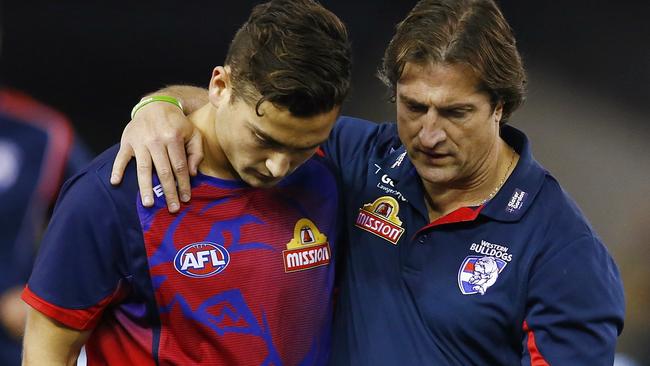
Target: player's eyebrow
<point x="273" y="142"/>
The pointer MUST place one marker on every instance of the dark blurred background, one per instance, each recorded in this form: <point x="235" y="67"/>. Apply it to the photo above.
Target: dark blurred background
<point x="586" y="114"/>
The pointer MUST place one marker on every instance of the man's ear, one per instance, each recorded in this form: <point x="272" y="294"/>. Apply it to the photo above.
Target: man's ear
<point x="220" y="87"/>
<point x="498" y="112"/>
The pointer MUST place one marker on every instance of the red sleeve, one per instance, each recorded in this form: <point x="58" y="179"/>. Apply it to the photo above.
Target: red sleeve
<point x="79" y="319"/>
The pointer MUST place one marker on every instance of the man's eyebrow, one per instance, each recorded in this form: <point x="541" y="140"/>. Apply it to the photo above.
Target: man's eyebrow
<point x="410" y="100"/>
<point x="271" y="141"/>
<point x="459" y="105"/>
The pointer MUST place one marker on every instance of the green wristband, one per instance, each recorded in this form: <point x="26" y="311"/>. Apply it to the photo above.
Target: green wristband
<point x="155" y="98"/>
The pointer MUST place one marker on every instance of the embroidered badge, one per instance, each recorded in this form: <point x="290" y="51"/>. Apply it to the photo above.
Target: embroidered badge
<point x="516" y="201"/>
<point x="308" y="248"/>
<point x="380" y="218"/>
<point x="478" y="272"/>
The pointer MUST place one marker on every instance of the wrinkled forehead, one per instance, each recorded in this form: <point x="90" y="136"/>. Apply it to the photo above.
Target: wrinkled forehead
<point x="442" y="82"/>
<point x="436" y="73"/>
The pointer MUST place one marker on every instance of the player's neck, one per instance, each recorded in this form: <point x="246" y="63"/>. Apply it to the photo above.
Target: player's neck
<point x="215" y="163"/>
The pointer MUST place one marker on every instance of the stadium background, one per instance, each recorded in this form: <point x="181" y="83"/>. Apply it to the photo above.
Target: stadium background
<point x="586" y="114"/>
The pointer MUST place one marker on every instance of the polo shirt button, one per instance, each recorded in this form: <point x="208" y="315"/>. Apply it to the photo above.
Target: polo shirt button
<point x="423" y="238"/>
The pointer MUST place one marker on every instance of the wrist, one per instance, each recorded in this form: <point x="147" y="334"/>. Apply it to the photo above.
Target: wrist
<point x="156" y="98"/>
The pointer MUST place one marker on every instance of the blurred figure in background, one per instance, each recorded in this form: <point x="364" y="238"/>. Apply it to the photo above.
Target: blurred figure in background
<point x="38" y="151"/>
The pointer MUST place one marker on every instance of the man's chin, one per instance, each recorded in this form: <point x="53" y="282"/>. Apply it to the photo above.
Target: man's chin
<point x="436" y="175"/>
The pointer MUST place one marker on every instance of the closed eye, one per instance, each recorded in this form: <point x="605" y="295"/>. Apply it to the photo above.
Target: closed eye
<point x="261" y="141"/>
<point x="417" y="108"/>
<point x="456" y="113"/>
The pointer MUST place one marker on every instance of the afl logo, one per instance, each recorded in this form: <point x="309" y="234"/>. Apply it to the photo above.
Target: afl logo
<point x="202" y="259"/>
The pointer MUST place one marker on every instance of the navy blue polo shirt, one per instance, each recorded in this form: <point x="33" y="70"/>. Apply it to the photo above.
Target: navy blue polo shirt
<point x="523" y="279"/>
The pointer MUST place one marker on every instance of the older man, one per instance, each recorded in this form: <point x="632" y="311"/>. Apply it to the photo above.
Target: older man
<point x="462" y="249"/>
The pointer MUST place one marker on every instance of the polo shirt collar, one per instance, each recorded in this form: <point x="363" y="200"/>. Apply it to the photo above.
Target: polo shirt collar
<point x="509" y="204"/>
<point x="519" y="191"/>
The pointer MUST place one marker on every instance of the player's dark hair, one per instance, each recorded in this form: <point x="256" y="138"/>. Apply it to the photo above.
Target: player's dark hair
<point x="294" y="54"/>
<point x="471" y="32"/>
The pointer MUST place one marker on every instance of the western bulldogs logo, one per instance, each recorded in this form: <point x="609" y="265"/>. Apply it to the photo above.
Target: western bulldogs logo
<point x="202" y="259"/>
<point x="477" y="274"/>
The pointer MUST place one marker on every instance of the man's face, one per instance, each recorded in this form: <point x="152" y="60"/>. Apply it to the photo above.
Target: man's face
<point x="447" y="125"/>
<point x="263" y="150"/>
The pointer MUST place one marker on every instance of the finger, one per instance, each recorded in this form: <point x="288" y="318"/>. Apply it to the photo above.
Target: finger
<point x="194" y="152"/>
<point x="124" y="155"/>
<point x="163" y="170"/>
<point x="179" y="166"/>
<point x="143" y="167"/>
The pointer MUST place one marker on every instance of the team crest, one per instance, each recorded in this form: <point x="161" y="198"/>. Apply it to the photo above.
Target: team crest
<point x="380" y="218"/>
<point x="477" y="274"/>
<point x="202" y="259"/>
<point x="308" y="248"/>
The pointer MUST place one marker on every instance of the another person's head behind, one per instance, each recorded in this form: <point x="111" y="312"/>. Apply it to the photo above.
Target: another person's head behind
<point x="455" y="73"/>
<point x="285" y="77"/>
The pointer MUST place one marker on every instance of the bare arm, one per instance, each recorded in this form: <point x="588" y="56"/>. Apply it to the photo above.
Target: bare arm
<point x="161" y="134"/>
<point x="12" y="312"/>
<point x="47" y="342"/>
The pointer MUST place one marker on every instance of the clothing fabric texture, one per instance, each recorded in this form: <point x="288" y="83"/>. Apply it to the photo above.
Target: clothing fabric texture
<point x="240" y="276"/>
<point x="522" y="279"/>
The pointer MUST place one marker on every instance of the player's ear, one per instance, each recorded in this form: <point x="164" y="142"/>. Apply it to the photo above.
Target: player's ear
<point x="220" y="87"/>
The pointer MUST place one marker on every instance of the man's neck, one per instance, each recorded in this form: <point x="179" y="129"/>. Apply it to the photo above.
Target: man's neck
<point x="215" y="162"/>
<point x="442" y="199"/>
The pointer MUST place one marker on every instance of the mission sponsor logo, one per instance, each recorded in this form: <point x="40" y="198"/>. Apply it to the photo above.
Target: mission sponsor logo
<point x="202" y="259"/>
<point x="308" y="249"/>
<point x="380" y="218"/>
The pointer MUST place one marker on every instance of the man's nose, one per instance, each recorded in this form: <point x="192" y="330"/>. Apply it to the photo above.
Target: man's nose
<point x="278" y="164"/>
<point x="432" y="133"/>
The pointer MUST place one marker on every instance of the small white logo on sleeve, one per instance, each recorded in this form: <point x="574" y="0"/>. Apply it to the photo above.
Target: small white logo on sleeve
<point x="158" y="190"/>
<point x="399" y="160"/>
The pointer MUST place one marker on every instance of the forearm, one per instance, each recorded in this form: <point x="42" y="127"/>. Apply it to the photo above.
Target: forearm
<point x="191" y="97"/>
<point x="48" y="342"/>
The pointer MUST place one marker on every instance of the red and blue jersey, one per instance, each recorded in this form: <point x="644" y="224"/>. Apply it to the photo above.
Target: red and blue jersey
<point x="240" y="276"/>
<point x="520" y="280"/>
<point x="38" y="150"/>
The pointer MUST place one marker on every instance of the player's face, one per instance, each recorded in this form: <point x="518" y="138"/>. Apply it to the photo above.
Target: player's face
<point x="262" y="150"/>
<point x="448" y="126"/>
